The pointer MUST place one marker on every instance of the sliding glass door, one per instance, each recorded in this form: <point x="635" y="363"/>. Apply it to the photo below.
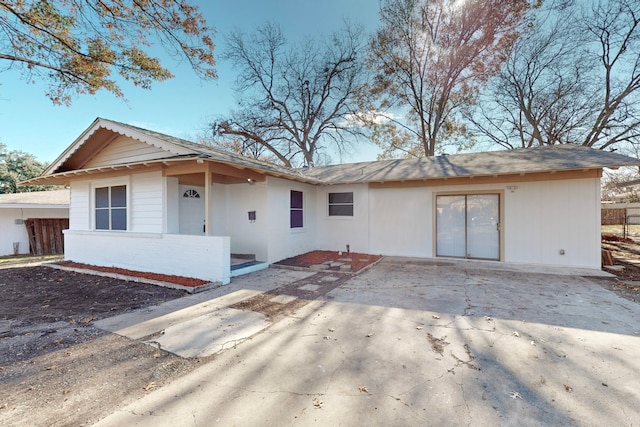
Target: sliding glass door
<point x="467" y="226"/>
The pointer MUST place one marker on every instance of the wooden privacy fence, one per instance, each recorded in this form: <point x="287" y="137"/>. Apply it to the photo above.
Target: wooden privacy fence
<point x="613" y="216"/>
<point x="45" y="235"/>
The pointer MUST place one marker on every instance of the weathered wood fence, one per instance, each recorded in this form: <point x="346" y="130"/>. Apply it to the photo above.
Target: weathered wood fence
<point x="613" y="216"/>
<point x="45" y="235"/>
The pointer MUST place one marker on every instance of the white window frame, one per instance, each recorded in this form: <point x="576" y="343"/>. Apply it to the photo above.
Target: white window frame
<point x="352" y="204"/>
<point x="297" y="209"/>
<point x="122" y="181"/>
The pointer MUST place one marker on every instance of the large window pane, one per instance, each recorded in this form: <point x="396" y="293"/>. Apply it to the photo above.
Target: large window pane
<point x="296" y="219"/>
<point x="340" y="210"/>
<point x="340" y="198"/>
<point x="102" y="197"/>
<point x="483" y="237"/>
<point x="102" y="219"/>
<point x="118" y="219"/>
<point x="296" y="199"/>
<point x="450" y="226"/>
<point x="119" y="196"/>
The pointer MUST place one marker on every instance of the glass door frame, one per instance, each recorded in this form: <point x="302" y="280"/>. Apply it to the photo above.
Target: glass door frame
<point x="501" y="227"/>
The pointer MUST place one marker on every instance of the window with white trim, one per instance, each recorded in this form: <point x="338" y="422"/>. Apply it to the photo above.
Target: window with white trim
<point x="111" y="208"/>
<point x="341" y="204"/>
<point x="296" y="210"/>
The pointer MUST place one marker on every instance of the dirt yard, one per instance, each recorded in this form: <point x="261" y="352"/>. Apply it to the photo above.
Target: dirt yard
<point x="627" y="255"/>
<point x="57" y="369"/>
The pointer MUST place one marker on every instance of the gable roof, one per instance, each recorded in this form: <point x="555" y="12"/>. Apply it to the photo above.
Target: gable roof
<point x="35" y="199"/>
<point x="565" y="157"/>
<point x="103" y="131"/>
<point x="76" y="159"/>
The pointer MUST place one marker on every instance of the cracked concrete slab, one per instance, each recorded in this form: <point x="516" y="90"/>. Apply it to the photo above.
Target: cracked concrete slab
<point x="210" y="333"/>
<point x="409" y="343"/>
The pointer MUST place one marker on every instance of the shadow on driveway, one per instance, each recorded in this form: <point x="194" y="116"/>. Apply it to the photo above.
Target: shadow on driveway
<point x="421" y="344"/>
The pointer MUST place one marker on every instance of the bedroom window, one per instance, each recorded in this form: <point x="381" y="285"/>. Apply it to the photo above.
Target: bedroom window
<point x="296" y="209"/>
<point x="341" y="204"/>
<point x="111" y="208"/>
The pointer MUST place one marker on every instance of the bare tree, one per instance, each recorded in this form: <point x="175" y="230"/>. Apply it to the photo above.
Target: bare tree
<point x="576" y="83"/>
<point x="430" y="58"/>
<point x="294" y="99"/>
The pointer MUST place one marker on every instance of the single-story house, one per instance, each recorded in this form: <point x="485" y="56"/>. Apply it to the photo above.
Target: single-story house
<point x="147" y="201"/>
<point x="16" y="209"/>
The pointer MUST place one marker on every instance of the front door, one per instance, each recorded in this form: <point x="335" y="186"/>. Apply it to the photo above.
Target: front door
<point x="468" y="226"/>
<point x="192" y="210"/>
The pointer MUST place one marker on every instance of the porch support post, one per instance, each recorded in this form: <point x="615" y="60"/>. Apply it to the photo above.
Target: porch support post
<point x="207" y="200"/>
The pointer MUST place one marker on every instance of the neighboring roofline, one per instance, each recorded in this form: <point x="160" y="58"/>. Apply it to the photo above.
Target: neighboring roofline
<point x="628" y="183"/>
<point x="34" y="206"/>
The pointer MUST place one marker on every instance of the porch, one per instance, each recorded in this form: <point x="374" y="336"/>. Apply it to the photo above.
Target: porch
<point x="203" y="257"/>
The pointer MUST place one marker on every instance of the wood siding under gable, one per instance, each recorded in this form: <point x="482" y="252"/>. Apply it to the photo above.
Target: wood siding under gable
<point x="126" y="150"/>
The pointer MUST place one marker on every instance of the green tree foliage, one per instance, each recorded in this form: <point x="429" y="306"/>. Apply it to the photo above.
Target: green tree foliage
<point x="16" y="166"/>
<point x="430" y="58"/>
<point x="76" y="45"/>
<point x="294" y="99"/>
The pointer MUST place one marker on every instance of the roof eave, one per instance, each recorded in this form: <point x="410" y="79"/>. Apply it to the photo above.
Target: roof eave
<point x="62" y="178"/>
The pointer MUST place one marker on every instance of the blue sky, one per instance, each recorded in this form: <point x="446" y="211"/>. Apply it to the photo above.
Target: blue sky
<point x="180" y="106"/>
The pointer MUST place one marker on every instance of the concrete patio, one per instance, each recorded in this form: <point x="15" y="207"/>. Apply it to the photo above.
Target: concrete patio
<point x="409" y="342"/>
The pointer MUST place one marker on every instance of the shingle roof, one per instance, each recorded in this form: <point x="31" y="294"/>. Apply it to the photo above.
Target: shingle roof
<point x="564" y="157"/>
<point x="213" y="153"/>
<point x="532" y="160"/>
<point x="33" y="198"/>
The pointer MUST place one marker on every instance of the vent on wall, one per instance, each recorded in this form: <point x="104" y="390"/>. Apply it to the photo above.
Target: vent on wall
<point x="19" y="221"/>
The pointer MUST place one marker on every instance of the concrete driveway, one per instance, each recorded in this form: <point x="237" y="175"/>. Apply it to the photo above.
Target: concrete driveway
<point x="409" y="342"/>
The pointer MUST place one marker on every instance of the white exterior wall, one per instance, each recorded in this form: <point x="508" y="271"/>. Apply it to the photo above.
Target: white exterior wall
<point x="202" y="257"/>
<point x="334" y="233"/>
<point x="401" y="221"/>
<point x="172" y="206"/>
<point x="80" y="206"/>
<point x="11" y="233"/>
<point x="219" y="203"/>
<point x="283" y="241"/>
<point x="539" y="220"/>
<point x="542" y="218"/>
<point x="247" y="237"/>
